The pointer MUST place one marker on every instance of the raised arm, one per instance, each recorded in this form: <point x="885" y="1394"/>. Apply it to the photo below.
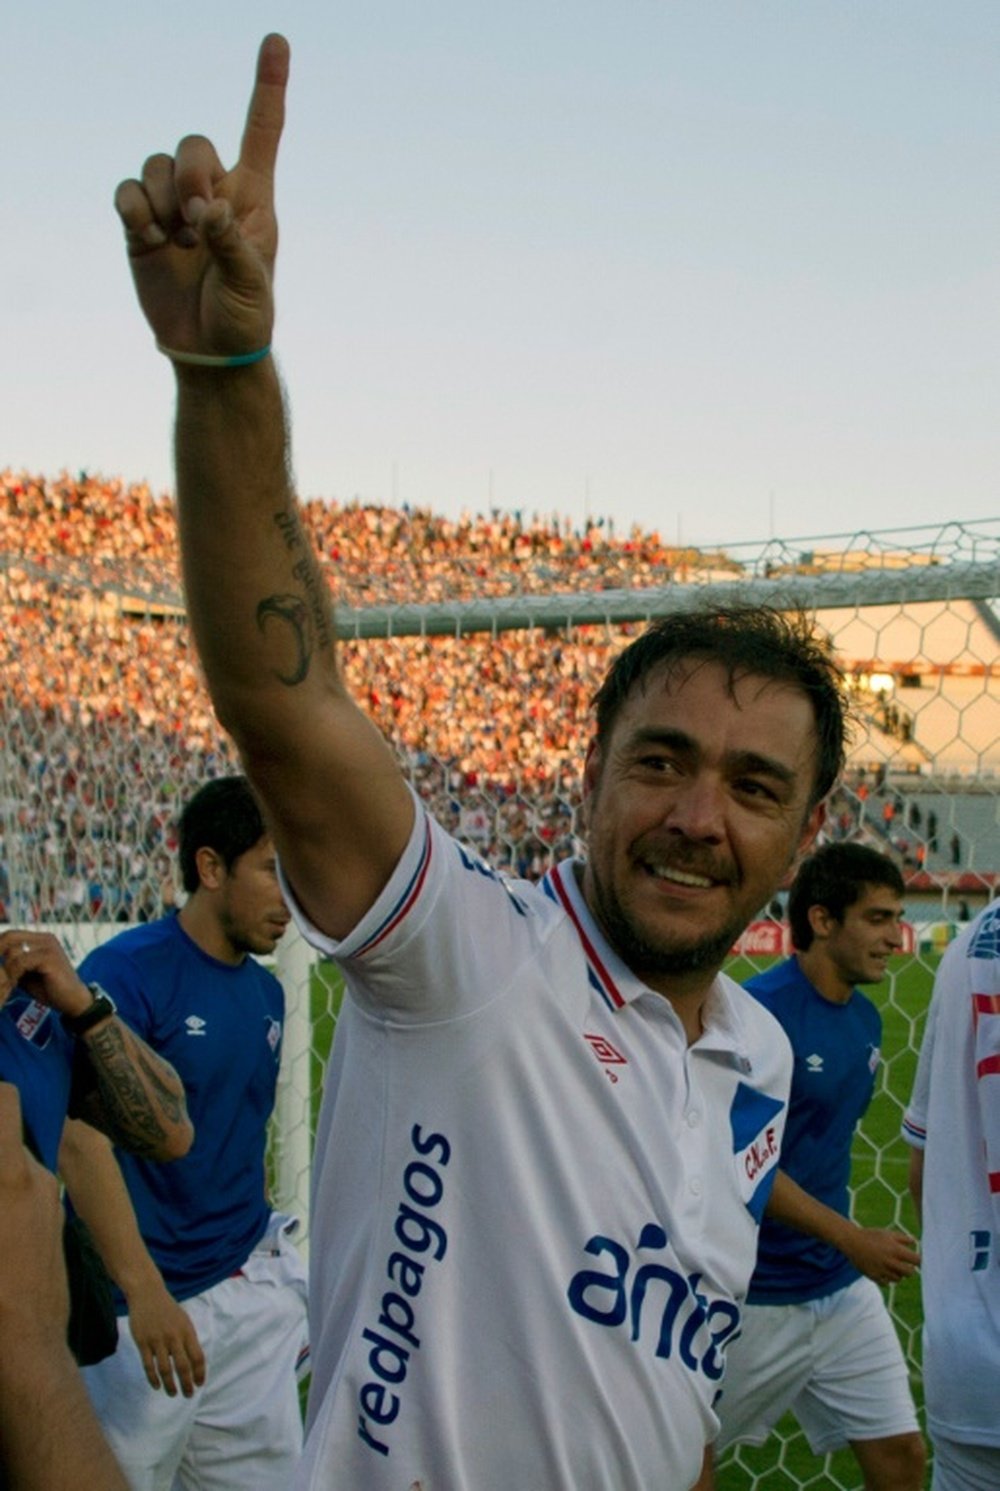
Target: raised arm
<point x="119" y="1084"/>
<point x="202" y="244"/>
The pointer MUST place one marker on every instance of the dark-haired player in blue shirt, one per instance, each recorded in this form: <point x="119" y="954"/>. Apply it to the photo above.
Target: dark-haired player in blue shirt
<point x="817" y="1338"/>
<point x="217" y="1294"/>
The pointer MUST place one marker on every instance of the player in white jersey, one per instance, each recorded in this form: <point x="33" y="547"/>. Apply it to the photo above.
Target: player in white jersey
<point x="549" y="1124"/>
<point x="953" y="1124"/>
<point x="507" y="1098"/>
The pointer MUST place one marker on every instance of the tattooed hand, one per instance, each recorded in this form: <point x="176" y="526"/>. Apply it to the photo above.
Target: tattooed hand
<point x="120" y="1085"/>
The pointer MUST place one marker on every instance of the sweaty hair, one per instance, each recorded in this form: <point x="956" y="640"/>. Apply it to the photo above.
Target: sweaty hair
<point x="224" y="816"/>
<point x="746" y="641"/>
<point x="835" y="877"/>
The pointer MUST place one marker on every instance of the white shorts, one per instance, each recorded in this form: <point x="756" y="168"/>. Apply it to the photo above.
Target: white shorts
<point x="241" y="1431"/>
<point x="965" y="1467"/>
<point x="835" y="1362"/>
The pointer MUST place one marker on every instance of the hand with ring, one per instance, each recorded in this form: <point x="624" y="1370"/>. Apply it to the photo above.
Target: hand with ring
<point x="42" y="969"/>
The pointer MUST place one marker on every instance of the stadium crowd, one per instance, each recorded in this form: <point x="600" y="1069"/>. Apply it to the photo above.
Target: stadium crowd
<point x="107" y="723"/>
<point x="378" y="555"/>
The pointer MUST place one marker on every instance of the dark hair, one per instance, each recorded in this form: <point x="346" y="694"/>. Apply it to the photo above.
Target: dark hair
<point x="745" y="641"/>
<point x="224" y="816"/>
<point x="835" y="877"/>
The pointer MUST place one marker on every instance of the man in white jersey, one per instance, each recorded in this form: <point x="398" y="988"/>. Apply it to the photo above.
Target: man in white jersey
<point x="550" y="1124"/>
<point x="953" y="1124"/>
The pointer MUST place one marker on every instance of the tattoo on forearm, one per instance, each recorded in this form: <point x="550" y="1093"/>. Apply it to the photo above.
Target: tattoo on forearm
<point x="288" y="526"/>
<point x="309" y="573"/>
<point x="292" y="610"/>
<point x="133" y="1091"/>
<point x="306" y="622"/>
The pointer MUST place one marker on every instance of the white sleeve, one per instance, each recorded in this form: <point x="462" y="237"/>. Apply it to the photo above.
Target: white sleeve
<point x="915" y="1117"/>
<point x="447" y="934"/>
<point x="985" y="991"/>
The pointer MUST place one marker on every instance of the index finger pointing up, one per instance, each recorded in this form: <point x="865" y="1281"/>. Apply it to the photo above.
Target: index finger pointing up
<point x="266" y="114"/>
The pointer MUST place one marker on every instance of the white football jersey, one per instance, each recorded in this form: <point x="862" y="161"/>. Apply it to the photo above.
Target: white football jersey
<point x="535" y="1206"/>
<point x="954" y="1116"/>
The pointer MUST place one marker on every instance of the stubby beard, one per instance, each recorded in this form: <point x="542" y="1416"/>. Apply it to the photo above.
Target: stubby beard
<point x="651" y="956"/>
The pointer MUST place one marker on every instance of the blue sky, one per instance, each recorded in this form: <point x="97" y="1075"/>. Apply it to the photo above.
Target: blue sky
<point x="725" y="269"/>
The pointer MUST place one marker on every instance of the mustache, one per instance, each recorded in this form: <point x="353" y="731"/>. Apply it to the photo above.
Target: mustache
<point x="688" y="856"/>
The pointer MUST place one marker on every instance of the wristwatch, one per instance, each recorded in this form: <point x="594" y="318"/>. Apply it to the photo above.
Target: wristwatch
<point x="102" y="1007"/>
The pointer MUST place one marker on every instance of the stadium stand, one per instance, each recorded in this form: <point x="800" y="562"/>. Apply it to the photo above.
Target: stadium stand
<point x="106" y="722"/>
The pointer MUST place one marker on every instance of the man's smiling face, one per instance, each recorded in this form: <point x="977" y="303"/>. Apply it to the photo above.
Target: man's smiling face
<point x="696" y="806"/>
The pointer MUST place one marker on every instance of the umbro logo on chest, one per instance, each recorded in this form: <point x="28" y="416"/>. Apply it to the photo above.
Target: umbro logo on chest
<point x="608" y="1055"/>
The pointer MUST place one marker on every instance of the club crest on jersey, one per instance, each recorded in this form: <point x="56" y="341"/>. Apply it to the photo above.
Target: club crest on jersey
<point x="986" y="941"/>
<point x="34" y="1024"/>
<point x="757" y="1124"/>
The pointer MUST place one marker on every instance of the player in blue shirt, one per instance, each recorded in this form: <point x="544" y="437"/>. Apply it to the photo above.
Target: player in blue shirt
<point x="817" y="1337"/>
<point x="65" y="1048"/>
<point x="206" y="1239"/>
